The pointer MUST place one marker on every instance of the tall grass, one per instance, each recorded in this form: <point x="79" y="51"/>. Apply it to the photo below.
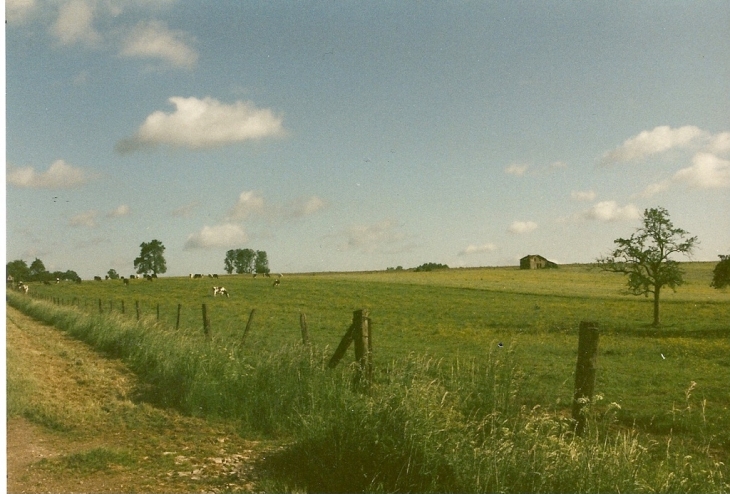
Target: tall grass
<point x="426" y="425"/>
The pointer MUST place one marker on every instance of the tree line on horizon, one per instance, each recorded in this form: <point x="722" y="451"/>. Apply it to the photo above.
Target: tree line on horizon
<point x="244" y="261"/>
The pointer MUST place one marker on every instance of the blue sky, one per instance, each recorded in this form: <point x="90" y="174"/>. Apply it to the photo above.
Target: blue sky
<point x="361" y="135"/>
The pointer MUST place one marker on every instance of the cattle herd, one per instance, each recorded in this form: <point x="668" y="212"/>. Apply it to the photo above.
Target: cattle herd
<point x="217" y="290"/>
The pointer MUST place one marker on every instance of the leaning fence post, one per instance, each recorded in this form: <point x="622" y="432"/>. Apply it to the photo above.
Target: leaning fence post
<point x="136" y="307"/>
<point x="360" y="322"/>
<point x="248" y="325"/>
<point x="585" y="371"/>
<point x="177" y="324"/>
<point x="303" y="326"/>
<point x="206" y="322"/>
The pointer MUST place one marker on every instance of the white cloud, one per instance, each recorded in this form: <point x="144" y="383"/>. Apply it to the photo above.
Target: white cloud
<point x="87" y="219"/>
<point x="204" y="123"/>
<point x="587" y="195"/>
<point x="249" y="202"/>
<point x="153" y="40"/>
<point x="19" y="10"/>
<point x="185" y="209"/>
<point x="719" y="143"/>
<point x="657" y="140"/>
<point x="516" y="170"/>
<point x="610" y="211"/>
<point x="225" y="235"/>
<point x="478" y="249"/>
<point x="303" y="207"/>
<point x="707" y="172"/>
<point x="522" y="227"/>
<point x="120" y="211"/>
<point x="379" y="237"/>
<point x="74" y="23"/>
<point x="58" y="176"/>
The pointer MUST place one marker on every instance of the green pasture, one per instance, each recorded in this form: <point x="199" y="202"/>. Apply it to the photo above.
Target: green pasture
<point x="468" y="313"/>
<point x="473" y="375"/>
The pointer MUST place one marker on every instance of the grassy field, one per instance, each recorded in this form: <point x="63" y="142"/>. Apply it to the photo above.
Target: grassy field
<point x="667" y="384"/>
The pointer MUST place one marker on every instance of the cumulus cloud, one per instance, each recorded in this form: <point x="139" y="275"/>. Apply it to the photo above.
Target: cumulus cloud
<point x="204" y="123"/>
<point x="516" y="170"/>
<point x="587" y="195"/>
<point x="707" y="172"/>
<point x="74" y="23"/>
<point x="59" y="175"/>
<point x="478" y="249"/>
<point x="607" y="211"/>
<point x="225" y="235"/>
<point x="119" y="211"/>
<point x="153" y="40"/>
<point x="385" y="236"/>
<point x="249" y="202"/>
<point x="522" y="227"/>
<point x="86" y="219"/>
<point x="657" y="140"/>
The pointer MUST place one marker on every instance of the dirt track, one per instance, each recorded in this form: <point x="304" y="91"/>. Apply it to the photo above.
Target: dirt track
<point x="82" y="403"/>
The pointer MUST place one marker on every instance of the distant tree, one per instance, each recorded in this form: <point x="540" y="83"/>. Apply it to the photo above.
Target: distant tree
<point x="37" y="271"/>
<point x="151" y="258"/>
<point x="18" y="269"/>
<point x="112" y="274"/>
<point x="245" y="259"/>
<point x="645" y="256"/>
<point x="262" y="262"/>
<point x="431" y="266"/>
<point x="721" y="273"/>
<point x="229" y="263"/>
<point x="70" y="275"/>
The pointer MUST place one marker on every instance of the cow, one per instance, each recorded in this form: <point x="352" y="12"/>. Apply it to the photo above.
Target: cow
<point x="126" y="281"/>
<point x="277" y="282"/>
<point x="97" y="278"/>
<point x="220" y="290"/>
<point x="197" y="276"/>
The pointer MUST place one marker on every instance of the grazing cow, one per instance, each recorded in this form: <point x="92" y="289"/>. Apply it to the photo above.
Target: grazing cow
<point x="22" y="288"/>
<point x="97" y="278"/>
<point x="58" y="280"/>
<point x="148" y="277"/>
<point x="254" y="275"/>
<point x="197" y="276"/>
<point x="215" y="276"/>
<point x="220" y="290"/>
<point x="154" y="275"/>
<point x="126" y="281"/>
<point x="277" y="282"/>
<point x="191" y="276"/>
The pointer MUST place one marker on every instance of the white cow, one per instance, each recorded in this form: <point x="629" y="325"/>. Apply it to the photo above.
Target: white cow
<point x="220" y="290"/>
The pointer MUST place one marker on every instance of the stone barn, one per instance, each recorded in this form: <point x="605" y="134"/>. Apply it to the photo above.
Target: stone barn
<point x="536" y="262"/>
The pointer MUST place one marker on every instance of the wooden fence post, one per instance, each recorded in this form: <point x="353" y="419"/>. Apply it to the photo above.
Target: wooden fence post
<point x="122" y="306"/>
<point x="206" y="322"/>
<point x="136" y="307"/>
<point x="363" y="357"/>
<point x="585" y="371"/>
<point x="342" y="347"/>
<point x="111" y="306"/>
<point x="249" y="324"/>
<point x="100" y="309"/>
<point x="177" y="324"/>
<point x="158" y="312"/>
<point x="303" y="326"/>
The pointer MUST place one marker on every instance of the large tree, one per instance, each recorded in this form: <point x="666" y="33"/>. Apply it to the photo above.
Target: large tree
<point x="721" y="273"/>
<point x="151" y="258"/>
<point x="18" y="269"/>
<point x="646" y="256"/>
<point x="262" y="262"/>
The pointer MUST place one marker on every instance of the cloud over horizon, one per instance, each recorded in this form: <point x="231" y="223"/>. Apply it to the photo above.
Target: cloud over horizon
<point x="522" y="227"/>
<point x="477" y="249"/>
<point x="609" y="211"/>
<point x="203" y="123"/>
<point x="650" y="142"/>
<point x="59" y="175"/>
<point x="225" y="235"/>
